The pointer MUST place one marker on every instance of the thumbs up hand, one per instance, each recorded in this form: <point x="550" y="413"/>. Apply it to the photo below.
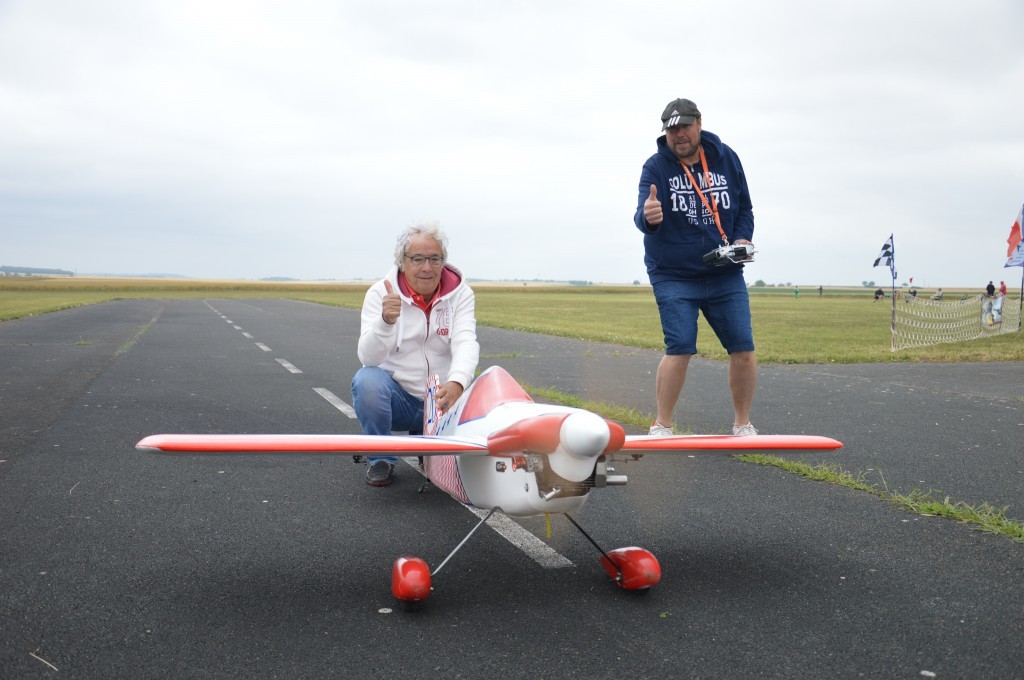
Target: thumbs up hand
<point x="391" y="304"/>
<point x="652" y="208"/>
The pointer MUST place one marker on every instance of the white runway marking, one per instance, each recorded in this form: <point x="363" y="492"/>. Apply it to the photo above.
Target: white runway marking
<point x="334" y="401"/>
<point x="536" y="549"/>
<point x="248" y="335"/>
<point x="286" y="364"/>
<point x="263" y="347"/>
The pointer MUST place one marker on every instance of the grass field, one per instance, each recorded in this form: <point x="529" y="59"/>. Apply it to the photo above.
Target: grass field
<point x="842" y="326"/>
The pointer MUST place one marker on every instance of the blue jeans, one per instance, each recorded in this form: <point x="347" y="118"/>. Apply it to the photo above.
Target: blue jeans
<point x="722" y="299"/>
<point x="382" y="405"/>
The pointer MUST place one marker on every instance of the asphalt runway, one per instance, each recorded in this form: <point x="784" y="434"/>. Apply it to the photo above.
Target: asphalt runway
<point x="119" y="564"/>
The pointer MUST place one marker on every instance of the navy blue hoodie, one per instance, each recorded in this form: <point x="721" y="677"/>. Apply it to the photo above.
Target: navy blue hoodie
<point x="673" y="250"/>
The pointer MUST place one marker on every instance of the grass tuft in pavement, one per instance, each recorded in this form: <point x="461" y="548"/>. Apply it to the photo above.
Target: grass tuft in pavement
<point x="983" y="516"/>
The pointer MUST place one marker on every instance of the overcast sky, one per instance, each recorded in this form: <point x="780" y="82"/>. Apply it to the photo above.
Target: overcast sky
<point x="260" y="138"/>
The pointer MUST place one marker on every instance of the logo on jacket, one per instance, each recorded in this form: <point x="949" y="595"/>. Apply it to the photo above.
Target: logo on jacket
<point x="684" y="198"/>
<point x="442" y="320"/>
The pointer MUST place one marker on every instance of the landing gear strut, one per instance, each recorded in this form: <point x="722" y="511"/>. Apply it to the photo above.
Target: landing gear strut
<point x="411" y="577"/>
<point x="631" y="568"/>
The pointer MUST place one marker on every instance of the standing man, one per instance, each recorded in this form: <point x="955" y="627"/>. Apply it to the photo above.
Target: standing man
<point x="693" y="199"/>
<point x="419" y="320"/>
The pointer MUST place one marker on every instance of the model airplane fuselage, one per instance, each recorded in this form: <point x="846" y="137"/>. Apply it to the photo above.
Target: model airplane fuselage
<point x="498" y="450"/>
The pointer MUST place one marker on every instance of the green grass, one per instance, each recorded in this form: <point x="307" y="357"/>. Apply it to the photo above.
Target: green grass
<point x="620" y="414"/>
<point x="836" y="328"/>
<point x="844" y="326"/>
<point x="31" y="296"/>
<point x="983" y="516"/>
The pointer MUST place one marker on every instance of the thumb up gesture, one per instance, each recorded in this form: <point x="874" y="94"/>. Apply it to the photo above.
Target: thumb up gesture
<point x="391" y="304"/>
<point x="652" y="208"/>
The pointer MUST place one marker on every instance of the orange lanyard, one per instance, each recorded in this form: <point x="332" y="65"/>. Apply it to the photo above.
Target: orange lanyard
<point x="713" y="206"/>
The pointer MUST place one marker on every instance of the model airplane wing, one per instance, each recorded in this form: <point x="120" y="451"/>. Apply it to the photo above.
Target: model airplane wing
<point x="317" y="444"/>
<point x="717" y="443"/>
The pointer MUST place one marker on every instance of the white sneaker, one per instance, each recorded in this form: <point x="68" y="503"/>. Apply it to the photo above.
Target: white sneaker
<point x="659" y="430"/>
<point x="744" y="430"/>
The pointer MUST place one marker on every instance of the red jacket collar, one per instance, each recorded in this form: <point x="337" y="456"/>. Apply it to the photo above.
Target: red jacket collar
<point x="449" y="281"/>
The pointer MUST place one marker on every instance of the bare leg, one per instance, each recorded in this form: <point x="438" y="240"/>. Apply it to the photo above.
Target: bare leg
<point x="742" y="383"/>
<point x="669" y="384"/>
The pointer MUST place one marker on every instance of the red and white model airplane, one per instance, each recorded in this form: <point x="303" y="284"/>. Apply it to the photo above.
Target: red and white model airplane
<point x="498" y="450"/>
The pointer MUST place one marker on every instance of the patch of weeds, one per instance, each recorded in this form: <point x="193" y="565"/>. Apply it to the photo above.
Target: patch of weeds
<point x="823" y="473"/>
<point x="620" y="414"/>
<point x="983" y="517"/>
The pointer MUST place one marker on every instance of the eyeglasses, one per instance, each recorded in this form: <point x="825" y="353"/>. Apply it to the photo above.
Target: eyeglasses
<point x="419" y="260"/>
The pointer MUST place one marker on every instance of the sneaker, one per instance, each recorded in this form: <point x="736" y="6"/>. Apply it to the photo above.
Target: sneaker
<point x="380" y="473"/>
<point x="659" y="430"/>
<point x="744" y="430"/>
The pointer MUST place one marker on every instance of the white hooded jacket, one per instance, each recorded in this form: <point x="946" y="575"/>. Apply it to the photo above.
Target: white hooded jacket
<point x="416" y="346"/>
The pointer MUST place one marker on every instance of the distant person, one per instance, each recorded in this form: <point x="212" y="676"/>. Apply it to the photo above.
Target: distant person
<point x="990" y="289"/>
<point x="913" y="292"/>
<point x="422" y="313"/>
<point x="693" y="198"/>
<point x="1002" y="288"/>
<point x="796" y="291"/>
<point x="820" y="291"/>
<point x="938" y="295"/>
<point x="878" y="295"/>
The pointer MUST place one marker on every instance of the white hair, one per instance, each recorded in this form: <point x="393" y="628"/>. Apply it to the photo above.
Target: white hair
<point x="431" y="228"/>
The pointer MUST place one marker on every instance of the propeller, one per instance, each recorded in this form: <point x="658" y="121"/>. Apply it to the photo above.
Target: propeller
<point x="573" y="441"/>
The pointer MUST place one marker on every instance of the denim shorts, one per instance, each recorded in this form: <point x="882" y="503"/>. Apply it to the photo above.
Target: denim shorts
<point x="723" y="301"/>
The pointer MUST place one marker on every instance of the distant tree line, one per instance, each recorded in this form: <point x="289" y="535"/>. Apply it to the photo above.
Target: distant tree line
<point x="33" y="271"/>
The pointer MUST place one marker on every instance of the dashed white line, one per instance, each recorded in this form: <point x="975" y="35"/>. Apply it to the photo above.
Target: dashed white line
<point x="263" y="347"/>
<point x="536" y="549"/>
<point x="286" y="364"/>
<point x="334" y="401"/>
<point x="248" y="335"/>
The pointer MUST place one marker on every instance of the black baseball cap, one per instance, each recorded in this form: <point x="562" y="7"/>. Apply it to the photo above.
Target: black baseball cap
<point x="679" y="112"/>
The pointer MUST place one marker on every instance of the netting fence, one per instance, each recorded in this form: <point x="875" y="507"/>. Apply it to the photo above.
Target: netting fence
<point x="920" y="321"/>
